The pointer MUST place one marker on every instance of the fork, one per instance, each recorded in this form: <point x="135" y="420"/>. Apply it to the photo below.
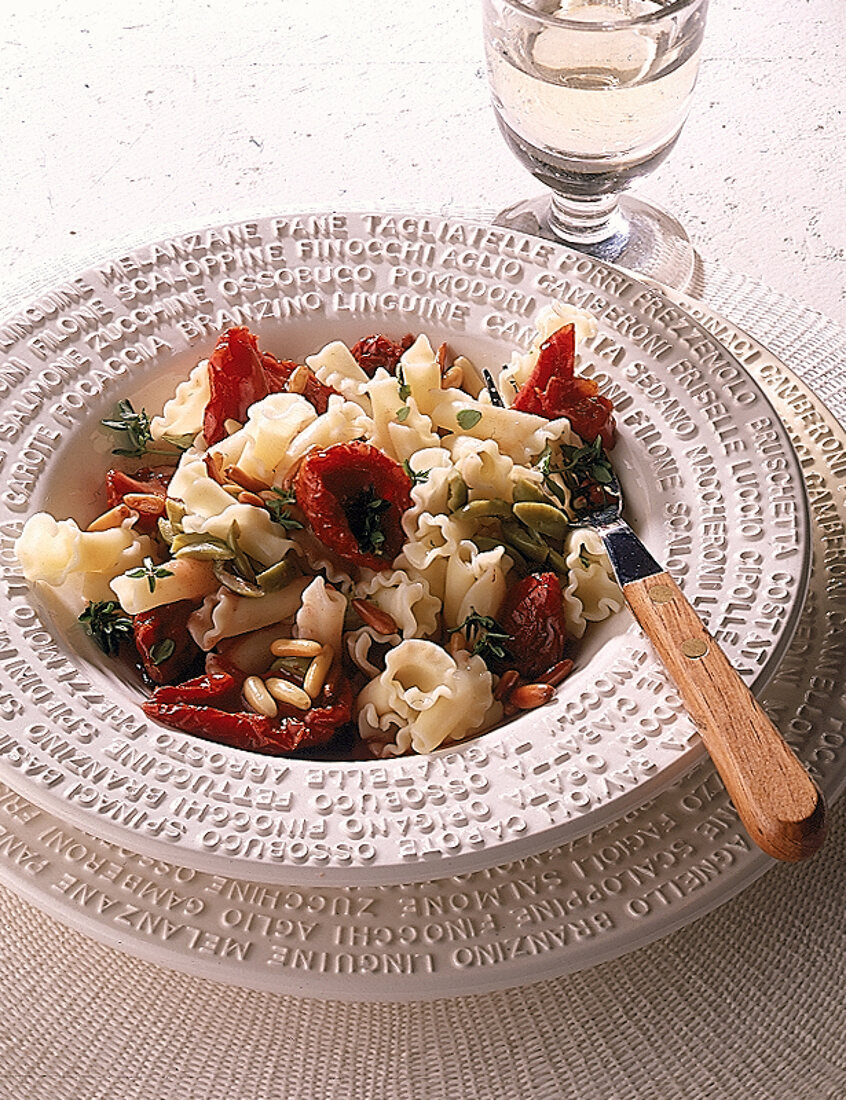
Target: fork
<point x="778" y="802"/>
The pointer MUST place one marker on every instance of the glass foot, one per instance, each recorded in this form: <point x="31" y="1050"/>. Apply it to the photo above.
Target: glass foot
<point x="645" y="239"/>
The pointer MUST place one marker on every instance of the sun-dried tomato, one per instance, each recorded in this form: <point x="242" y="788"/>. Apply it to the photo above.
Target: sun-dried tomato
<point x="551" y="390"/>
<point x="147" y="483"/>
<point x="241" y="374"/>
<point x="377" y="350"/>
<point x="166" y="649"/>
<point x="199" y="690"/>
<point x="277" y="372"/>
<point x="533" y="616"/>
<point x="236" y="381"/>
<point x="181" y="708"/>
<point x="151" y="480"/>
<point x="240" y="730"/>
<point x="354" y="497"/>
<point x="332" y="710"/>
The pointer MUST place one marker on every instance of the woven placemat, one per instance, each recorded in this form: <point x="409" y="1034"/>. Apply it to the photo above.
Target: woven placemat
<point x="746" y="1003"/>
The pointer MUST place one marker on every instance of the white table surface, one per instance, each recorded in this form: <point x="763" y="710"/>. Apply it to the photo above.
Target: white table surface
<point x="121" y="123"/>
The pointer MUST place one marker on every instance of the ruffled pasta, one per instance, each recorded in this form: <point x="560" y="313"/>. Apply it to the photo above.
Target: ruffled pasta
<point x="321" y="614"/>
<point x="225" y="615"/>
<point x="261" y="448"/>
<point x="408" y="601"/>
<point x="424" y="698"/>
<point x="257" y="534"/>
<point x="183" y="414"/>
<point x="335" y="366"/>
<point x="399" y="428"/>
<point x="50" y="550"/>
<point x="428" y="554"/>
<point x="177" y="579"/>
<point x="592" y="593"/>
<point x="474" y="581"/>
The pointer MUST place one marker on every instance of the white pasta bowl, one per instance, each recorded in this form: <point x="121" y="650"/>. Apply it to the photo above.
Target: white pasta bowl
<point x="711" y="482"/>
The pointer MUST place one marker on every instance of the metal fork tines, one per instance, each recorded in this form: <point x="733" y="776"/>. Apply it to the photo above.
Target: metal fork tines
<point x="629" y="558"/>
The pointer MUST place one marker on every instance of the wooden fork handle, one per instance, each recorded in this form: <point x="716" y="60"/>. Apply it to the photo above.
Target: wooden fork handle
<point x="778" y="802"/>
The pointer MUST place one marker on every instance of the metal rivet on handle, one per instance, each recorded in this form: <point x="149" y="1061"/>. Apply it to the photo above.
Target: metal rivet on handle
<point x="661" y="593"/>
<point x="694" y="647"/>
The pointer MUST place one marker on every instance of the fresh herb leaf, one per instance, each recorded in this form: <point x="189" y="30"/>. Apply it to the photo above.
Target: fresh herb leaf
<point x="404" y="388"/>
<point x="417" y="476"/>
<point x="160" y="652"/>
<point x="150" y="572"/>
<point x="136" y="426"/>
<point x="364" y="515"/>
<point x="583" y="470"/>
<point x="468" y="418"/>
<point x="108" y="624"/>
<point x="402" y="414"/>
<point x="280" y="512"/>
<point x="486" y="637"/>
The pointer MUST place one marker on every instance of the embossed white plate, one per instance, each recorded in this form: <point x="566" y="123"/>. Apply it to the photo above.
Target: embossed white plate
<point x="712" y="486"/>
<point x="654" y="869"/>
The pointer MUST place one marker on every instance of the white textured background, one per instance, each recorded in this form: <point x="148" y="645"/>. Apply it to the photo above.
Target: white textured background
<point x="120" y="121"/>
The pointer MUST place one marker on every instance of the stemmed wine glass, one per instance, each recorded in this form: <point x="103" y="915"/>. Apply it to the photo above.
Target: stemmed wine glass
<point x="590" y="95"/>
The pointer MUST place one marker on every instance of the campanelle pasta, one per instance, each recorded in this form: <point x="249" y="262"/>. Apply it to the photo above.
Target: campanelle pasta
<point x="381" y="579"/>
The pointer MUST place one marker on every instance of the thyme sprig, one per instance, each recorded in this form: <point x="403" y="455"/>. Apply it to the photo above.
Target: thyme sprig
<point x="404" y="388"/>
<point x="485" y="636"/>
<point x="136" y="427"/>
<point x="364" y="515"/>
<point x="585" y="471"/>
<point x="150" y="572"/>
<point x="108" y="624"/>
<point x="417" y="476"/>
<point x="280" y="511"/>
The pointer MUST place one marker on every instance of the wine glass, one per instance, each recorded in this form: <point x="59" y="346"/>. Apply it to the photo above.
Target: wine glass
<point x="590" y="95"/>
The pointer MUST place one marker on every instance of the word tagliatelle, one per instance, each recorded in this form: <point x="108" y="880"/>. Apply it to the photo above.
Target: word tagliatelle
<point x="374" y="552"/>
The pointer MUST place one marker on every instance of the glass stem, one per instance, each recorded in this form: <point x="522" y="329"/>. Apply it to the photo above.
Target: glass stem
<point x="586" y="221"/>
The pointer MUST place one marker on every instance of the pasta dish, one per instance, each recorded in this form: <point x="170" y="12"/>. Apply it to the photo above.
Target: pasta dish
<point x="371" y="553"/>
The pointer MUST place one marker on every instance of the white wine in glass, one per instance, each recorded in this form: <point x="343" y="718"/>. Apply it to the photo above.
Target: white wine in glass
<point x="590" y="95"/>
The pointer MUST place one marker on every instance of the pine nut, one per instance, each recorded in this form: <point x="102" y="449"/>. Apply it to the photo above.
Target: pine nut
<point x="456" y="642"/>
<point x="246" y="497"/>
<point x="288" y="693"/>
<point x="472" y="381"/>
<point x="231" y="488"/>
<point x="529" y="696"/>
<point x="453" y="378"/>
<point x="442" y="354"/>
<point x="214" y="467"/>
<point x="374" y="616"/>
<point x="232" y="426"/>
<point x="295" y="647"/>
<point x="258" y="697"/>
<point x="507" y="681"/>
<point x="148" y="503"/>
<point x="297" y="380"/>
<point x="245" y="480"/>
<point x="113" y="518"/>
<point x="317" y="670"/>
<point x="557" y="673"/>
